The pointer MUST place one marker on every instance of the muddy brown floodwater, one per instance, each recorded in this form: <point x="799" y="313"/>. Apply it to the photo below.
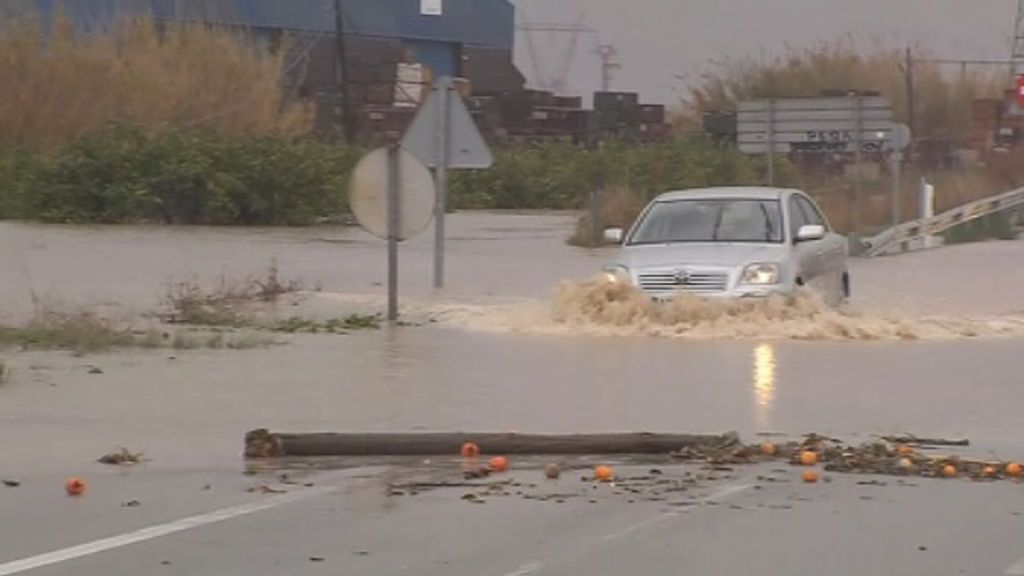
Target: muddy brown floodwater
<point x="519" y="342"/>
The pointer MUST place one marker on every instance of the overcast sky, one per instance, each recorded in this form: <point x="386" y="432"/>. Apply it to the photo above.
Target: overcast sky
<point x="660" y="39"/>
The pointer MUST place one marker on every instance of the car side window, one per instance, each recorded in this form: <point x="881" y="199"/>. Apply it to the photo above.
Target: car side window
<point x="811" y="213"/>
<point x="797" y="218"/>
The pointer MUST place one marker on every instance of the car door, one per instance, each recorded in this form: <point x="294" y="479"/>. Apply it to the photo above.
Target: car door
<point x="831" y="250"/>
<point x="805" y="254"/>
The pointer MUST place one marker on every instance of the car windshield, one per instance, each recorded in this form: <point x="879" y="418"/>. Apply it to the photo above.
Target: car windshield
<point x="710" y="220"/>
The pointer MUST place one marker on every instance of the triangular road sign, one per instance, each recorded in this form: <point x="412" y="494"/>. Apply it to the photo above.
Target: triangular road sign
<point x="466" y="147"/>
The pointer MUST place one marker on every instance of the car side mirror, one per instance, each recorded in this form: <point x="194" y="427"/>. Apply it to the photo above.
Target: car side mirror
<point x="613" y="235"/>
<point x="810" y="232"/>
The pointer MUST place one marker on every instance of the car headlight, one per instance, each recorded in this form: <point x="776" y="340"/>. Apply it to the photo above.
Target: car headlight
<point x="761" y="273"/>
<point x="618" y="275"/>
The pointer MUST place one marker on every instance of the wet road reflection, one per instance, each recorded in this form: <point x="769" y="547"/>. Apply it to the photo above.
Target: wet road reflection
<point x="764" y="384"/>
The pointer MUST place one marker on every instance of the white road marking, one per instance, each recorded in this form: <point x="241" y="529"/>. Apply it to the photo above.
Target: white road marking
<point x="724" y="494"/>
<point x="97" y="546"/>
<point x="526" y="569"/>
<point x="1017" y="569"/>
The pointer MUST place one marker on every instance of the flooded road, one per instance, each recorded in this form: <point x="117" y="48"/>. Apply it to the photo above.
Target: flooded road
<point x="931" y="345"/>
<point x="493" y="359"/>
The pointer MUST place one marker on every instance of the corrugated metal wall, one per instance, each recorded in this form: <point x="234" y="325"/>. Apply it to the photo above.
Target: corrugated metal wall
<point x="488" y="23"/>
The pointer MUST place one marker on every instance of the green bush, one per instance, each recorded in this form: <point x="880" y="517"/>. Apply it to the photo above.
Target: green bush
<point x="561" y="176"/>
<point x="998" y="226"/>
<point x="184" y="176"/>
<point x="178" y="177"/>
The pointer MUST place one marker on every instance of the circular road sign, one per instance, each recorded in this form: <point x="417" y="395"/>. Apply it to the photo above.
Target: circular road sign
<point x="368" y="194"/>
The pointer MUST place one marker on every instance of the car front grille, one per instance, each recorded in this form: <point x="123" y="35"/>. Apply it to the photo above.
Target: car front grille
<point x="698" y="283"/>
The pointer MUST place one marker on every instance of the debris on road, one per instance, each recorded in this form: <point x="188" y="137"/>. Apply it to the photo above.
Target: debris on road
<point x="11" y="483"/>
<point x="121" y="457"/>
<point x="95" y="370"/>
<point x="131" y="504"/>
<point x="265" y="489"/>
<point x="552" y="471"/>
<point x="912" y="440"/>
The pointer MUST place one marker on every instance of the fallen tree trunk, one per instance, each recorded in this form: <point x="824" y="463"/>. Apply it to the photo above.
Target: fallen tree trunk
<point x="264" y="444"/>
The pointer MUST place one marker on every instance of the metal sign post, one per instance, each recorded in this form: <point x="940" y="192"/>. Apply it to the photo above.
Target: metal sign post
<point x="442" y="132"/>
<point x="394" y="225"/>
<point x="392" y="196"/>
<point x="444" y="137"/>
<point x="771" y="142"/>
<point x="859" y="198"/>
<point x="897" y="162"/>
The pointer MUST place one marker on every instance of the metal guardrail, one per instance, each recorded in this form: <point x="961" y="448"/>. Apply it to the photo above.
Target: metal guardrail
<point x="901" y="236"/>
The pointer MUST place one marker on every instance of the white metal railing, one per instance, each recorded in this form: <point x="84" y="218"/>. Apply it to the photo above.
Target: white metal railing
<point x="905" y="233"/>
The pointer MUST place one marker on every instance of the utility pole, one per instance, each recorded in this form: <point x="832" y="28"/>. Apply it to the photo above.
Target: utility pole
<point x="341" y="83"/>
<point x="1018" y="42"/>
<point x="911" y="104"/>
<point x="607" y="53"/>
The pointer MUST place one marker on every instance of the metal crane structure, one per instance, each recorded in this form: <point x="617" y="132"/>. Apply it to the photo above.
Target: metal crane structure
<point x="607" y="54"/>
<point x="554" y="78"/>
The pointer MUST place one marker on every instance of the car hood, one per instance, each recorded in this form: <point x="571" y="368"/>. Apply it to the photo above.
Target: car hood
<point x="718" y="254"/>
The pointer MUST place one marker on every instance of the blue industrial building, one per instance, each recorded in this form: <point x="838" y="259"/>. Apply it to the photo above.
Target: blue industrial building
<point x="443" y="34"/>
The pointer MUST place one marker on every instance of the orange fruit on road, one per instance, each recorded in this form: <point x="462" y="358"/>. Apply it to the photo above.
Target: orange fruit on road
<point x="989" y="472"/>
<point x="808" y="458"/>
<point x="499" y="464"/>
<point x="604" y="473"/>
<point x="904" y="450"/>
<point x="470" y="450"/>
<point x="1013" y="469"/>
<point x="75" y="486"/>
<point x="810" y="476"/>
<point x="769" y="449"/>
<point x="907" y="464"/>
<point x="949" y="471"/>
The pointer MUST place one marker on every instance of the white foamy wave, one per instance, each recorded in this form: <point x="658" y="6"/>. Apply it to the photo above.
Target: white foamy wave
<point x="599" y="308"/>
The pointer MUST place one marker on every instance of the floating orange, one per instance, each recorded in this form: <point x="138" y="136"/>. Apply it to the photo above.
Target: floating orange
<point x="808" y="458"/>
<point x="904" y="450"/>
<point x="499" y="464"/>
<point x="769" y="449"/>
<point x="470" y="450"/>
<point x="989" y="472"/>
<point x="907" y="464"/>
<point x="810" y="476"/>
<point x="75" y="486"/>
<point x="604" y="473"/>
<point x="949" y="471"/>
<point x="1013" y="469"/>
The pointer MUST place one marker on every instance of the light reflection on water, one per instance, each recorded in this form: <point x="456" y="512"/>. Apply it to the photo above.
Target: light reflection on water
<point x="764" y="383"/>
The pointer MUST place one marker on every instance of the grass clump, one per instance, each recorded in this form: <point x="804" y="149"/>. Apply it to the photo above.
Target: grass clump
<point x="81" y="332"/>
<point x="224" y="305"/>
<point x="85" y="332"/>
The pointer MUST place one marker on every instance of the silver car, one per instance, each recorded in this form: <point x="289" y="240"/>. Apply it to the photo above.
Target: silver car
<point x="731" y="242"/>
